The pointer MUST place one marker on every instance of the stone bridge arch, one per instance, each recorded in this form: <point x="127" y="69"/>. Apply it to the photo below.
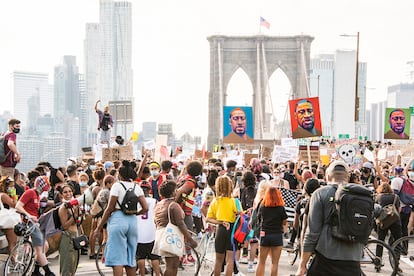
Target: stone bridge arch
<point x="258" y="56"/>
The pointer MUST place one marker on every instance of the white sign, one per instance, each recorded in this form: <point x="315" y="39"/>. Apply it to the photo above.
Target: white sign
<point x="284" y="154"/>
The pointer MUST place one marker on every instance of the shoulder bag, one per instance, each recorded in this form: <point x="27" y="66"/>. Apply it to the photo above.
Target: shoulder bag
<point x="8" y="217"/>
<point x="388" y="215"/>
<point x="172" y="239"/>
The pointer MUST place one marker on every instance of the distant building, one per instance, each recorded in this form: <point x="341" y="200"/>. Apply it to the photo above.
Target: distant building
<point x="108" y="60"/>
<point x="375" y="121"/>
<point x="332" y="77"/>
<point x="30" y="90"/>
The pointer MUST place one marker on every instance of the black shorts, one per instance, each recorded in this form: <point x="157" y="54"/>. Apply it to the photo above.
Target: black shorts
<point x="222" y="241"/>
<point x="272" y="240"/>
<point x="144" y="251"/>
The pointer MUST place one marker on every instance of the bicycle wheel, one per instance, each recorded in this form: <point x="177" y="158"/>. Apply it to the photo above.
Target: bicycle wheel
<point x="100" y="261"/>
<point x="378" y="257"/>
<point x="20" y="260"/>
<point x="404" y="250"/>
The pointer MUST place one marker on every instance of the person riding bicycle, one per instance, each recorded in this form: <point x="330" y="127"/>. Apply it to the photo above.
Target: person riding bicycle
<point x="29" y="205"/>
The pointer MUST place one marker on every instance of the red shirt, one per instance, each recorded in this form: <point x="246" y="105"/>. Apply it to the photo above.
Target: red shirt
<point x="31" y="201"/>
<point x="9" y="163"/>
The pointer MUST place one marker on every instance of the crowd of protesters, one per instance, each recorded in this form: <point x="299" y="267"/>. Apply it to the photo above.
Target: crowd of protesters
<point x="198" y="194"/>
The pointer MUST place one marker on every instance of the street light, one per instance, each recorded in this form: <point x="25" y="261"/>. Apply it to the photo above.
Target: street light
<point x="356" y="76"/>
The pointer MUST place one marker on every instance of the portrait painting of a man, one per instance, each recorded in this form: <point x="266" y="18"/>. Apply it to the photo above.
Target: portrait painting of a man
<point x="237" y="125"/>
<point x="305" y="117"/>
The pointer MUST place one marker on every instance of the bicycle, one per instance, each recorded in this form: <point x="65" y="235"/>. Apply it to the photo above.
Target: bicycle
<point x="205" y="254"/>
<point x="100" y="261"/>
<point x="22" y="257"/>
<point x="404" y="249"/>
<point x="378" y="256"/>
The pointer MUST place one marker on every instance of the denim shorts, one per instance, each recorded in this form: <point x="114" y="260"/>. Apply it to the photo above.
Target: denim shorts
<point x="37" y="237"/>
<point x="272" y="240"/>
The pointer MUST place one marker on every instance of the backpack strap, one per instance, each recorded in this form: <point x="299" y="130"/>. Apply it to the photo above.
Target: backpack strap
<point x="125" y="191"/>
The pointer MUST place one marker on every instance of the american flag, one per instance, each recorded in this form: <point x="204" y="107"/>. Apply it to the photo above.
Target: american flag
<point x="289" y="196"/>
<point x="264" y="23"/>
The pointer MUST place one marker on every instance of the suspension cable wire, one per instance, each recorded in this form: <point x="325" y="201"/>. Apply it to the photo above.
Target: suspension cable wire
<point x="304" y="73"/>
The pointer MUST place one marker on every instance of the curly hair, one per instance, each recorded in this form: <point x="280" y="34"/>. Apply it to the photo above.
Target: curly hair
<point x="194" y="168"/>
<point x="224" y="186"/>
<point x="127" y="170"/>
<point x="249" y="179"/>
<point x="167" y="188"/>
<point x="98" y="174"/>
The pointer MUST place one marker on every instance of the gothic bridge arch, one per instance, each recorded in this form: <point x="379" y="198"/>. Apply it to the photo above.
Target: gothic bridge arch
<point x="258" y="56"/>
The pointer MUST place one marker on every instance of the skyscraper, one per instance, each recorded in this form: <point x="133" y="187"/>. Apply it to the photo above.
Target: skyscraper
<point x="332" y="78"/>
<point x="30" y="89"/>
<point x="108" y="59"/>
<point x="115" y="31"/>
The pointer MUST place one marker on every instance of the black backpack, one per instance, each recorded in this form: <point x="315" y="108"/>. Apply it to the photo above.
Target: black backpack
<point x="3" y="155"/>
<point x="56" y="219"/>
<point x="129" y="204"/>
<point x="353" y="216"/>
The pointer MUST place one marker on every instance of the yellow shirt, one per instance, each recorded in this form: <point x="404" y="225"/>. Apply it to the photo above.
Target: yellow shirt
<point x="223" y="209"/>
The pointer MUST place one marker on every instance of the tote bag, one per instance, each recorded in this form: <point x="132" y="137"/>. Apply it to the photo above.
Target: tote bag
<point x="8" y="217"/>
<point x="171" y="240"/>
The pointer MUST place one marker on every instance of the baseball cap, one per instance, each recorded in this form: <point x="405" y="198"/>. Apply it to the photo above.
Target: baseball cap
<point x="337" y="166"/>
<point x="42" y="182"/>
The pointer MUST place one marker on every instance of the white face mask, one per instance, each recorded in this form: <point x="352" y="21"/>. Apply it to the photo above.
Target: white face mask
<point x="411" y="175"/>
<point x="276" y="177"/>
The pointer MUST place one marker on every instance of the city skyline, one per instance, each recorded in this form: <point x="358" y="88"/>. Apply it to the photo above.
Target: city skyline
<point x="171" y="51"/>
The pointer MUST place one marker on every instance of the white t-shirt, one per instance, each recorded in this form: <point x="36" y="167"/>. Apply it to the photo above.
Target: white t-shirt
<point x="119" y="191"/>
<point x="396" y="185"/>
<point x="146" y="223"/>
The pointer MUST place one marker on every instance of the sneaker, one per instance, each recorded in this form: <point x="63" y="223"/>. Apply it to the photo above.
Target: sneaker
<point x="250" y="269"/>
<point x="190" y="258"/>
<point x="187" y="261"/>
<point x="243" y="260"/>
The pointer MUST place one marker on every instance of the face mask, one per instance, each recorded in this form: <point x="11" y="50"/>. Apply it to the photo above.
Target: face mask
<point x="411" y="175"/>
<point x="276" y="177"/>
<point x="320" y="176"/>
<point x="92" y="167"/>
<point x="154" y="173"/>
<point x="48" y="174"/>
<point x="16" y="130"/>
<point x="83" y="183"/>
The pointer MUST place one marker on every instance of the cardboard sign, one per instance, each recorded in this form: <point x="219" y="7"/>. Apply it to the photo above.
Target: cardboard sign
<point x="314" y="153"/>
<point x="117" y="153"/>
<point x="248" y="157"/>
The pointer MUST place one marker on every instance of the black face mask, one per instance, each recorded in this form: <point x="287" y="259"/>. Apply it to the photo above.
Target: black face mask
<point x="16" y="130"/>
<point x="320" y="176"/>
